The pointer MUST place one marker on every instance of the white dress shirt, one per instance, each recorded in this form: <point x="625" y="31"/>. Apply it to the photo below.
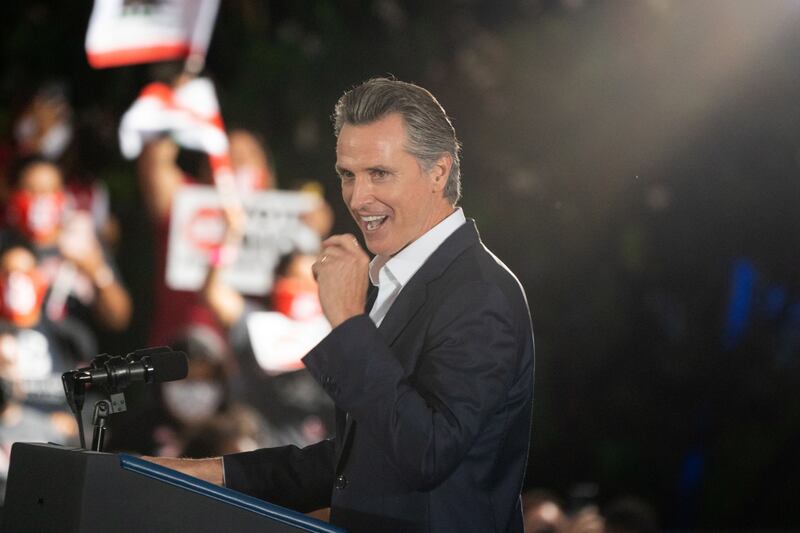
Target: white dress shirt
<point x="391" y="274"/>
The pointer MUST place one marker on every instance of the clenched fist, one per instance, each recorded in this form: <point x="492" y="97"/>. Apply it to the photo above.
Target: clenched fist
<point x="342" y="272"/>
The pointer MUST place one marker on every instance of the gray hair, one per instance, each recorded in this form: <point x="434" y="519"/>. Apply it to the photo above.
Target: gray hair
<point x="430" y="132"/>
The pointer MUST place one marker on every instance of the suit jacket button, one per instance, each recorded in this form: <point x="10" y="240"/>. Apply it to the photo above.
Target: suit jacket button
<point x="341" y="482"/>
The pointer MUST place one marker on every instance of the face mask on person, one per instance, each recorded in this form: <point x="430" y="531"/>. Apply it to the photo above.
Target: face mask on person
<point x="296" y="299"/>
<point x="51" y="145"/>
<point x="192" y="402"/>
<point x="21" y="296"/>
<point x="36" y="216"/>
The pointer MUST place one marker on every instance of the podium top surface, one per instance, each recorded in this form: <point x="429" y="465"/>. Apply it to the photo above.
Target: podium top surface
<point x="228" y="496"/>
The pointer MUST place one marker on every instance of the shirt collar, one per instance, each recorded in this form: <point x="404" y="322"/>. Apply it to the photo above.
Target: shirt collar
<point x="405" y="264"/>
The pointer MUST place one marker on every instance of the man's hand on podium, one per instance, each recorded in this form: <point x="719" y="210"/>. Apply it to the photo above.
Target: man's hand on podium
<point x="206" y="469"/>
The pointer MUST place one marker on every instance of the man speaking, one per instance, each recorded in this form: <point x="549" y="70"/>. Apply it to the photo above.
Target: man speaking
<point x="431" y="369"/>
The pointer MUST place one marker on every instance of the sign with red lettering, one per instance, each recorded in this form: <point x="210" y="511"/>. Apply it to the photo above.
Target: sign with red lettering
<point x="274" y="228"/>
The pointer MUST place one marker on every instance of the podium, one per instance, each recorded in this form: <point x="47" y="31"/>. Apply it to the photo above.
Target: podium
<point x="53" y="488"/>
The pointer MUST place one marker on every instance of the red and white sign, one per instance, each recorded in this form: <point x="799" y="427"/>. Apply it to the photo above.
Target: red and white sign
<point x="274" y="228"/>
<point x="280" y="343"/>
<point x="127" y="32"/>
<point x="191" y="115"/>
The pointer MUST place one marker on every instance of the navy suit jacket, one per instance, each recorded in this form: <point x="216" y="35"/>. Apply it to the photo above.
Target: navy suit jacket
<point x="438" y="402"/>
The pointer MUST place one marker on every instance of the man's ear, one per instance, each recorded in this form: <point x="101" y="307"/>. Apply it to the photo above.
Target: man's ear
<point x="440" y="171"/>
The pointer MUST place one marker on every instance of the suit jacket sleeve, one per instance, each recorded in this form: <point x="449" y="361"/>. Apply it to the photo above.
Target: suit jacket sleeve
<point x="425" y="420"/>
<point x="300" y="479"/>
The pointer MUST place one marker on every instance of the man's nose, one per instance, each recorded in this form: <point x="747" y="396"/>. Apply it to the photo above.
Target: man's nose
<point x="362" y="193"/>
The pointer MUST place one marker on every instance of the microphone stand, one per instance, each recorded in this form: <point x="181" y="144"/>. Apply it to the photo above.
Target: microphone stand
<point x="102" y="410"/>
<point x="75" y="389"/>
<point x="114" y="374"/>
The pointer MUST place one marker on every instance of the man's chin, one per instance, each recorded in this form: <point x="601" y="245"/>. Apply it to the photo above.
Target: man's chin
<point x="376" y="246"/>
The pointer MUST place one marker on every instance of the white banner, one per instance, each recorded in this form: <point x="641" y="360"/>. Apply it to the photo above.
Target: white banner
<point x="126" y="32"/>
<point x="279" y="343"/>
<point x="273" y="229"/>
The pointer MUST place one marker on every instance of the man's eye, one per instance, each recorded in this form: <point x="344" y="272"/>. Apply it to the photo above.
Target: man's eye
<point x="379" y="174"/>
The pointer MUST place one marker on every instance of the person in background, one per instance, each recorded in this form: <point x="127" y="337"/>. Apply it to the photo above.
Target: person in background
<point x="18" y="421"/>
<point x="542" y="512"/>
<point x="84" y="282"/>
<point x="45" y="126"/>
<point x="164" y="167"/>
<point x="285" y="394"/>
<point x="168" y="416"/>
<point x="43" y="349"/>
<point x="48" y="127"/>
<point x="160" y="178"/>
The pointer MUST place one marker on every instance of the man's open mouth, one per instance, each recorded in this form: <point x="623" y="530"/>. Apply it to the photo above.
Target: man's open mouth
<point x="374" y="222"/>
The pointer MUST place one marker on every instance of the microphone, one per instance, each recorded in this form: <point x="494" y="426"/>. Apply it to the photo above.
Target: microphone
<point x="150" y="365"/>
<point x="113" y="373"/>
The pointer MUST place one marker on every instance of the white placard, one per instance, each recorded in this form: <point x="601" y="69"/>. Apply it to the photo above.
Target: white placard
<point x="273" y="229"/>
<point x="279" y="343"/>
<point x="127" y="32"/>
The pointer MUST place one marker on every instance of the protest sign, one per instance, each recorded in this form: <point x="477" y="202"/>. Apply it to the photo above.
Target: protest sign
<point x="273" y="229"/>
<point x="127" y="32"/>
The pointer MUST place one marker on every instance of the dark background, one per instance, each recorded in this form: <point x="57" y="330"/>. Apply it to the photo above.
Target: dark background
<point x="634" y="162"/>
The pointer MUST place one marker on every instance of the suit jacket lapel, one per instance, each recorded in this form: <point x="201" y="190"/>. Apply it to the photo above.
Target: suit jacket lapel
<point x="402" y="311"/>
<point x="410" y="300"/>
<point x="414" y="293"/>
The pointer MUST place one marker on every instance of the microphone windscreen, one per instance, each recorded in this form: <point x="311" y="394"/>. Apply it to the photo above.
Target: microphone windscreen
<point x="169" y="366"/>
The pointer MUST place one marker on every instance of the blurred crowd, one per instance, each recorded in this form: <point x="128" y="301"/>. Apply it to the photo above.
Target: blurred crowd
<point x="62" y="293"/>
<point x="546" y="512"/>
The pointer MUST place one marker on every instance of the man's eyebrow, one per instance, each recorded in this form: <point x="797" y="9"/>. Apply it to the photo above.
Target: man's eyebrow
<point x="341" y="170"/>
<point x="379" y="167"/>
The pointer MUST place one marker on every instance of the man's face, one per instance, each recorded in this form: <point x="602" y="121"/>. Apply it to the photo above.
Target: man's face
<point x="391" y="197"/>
